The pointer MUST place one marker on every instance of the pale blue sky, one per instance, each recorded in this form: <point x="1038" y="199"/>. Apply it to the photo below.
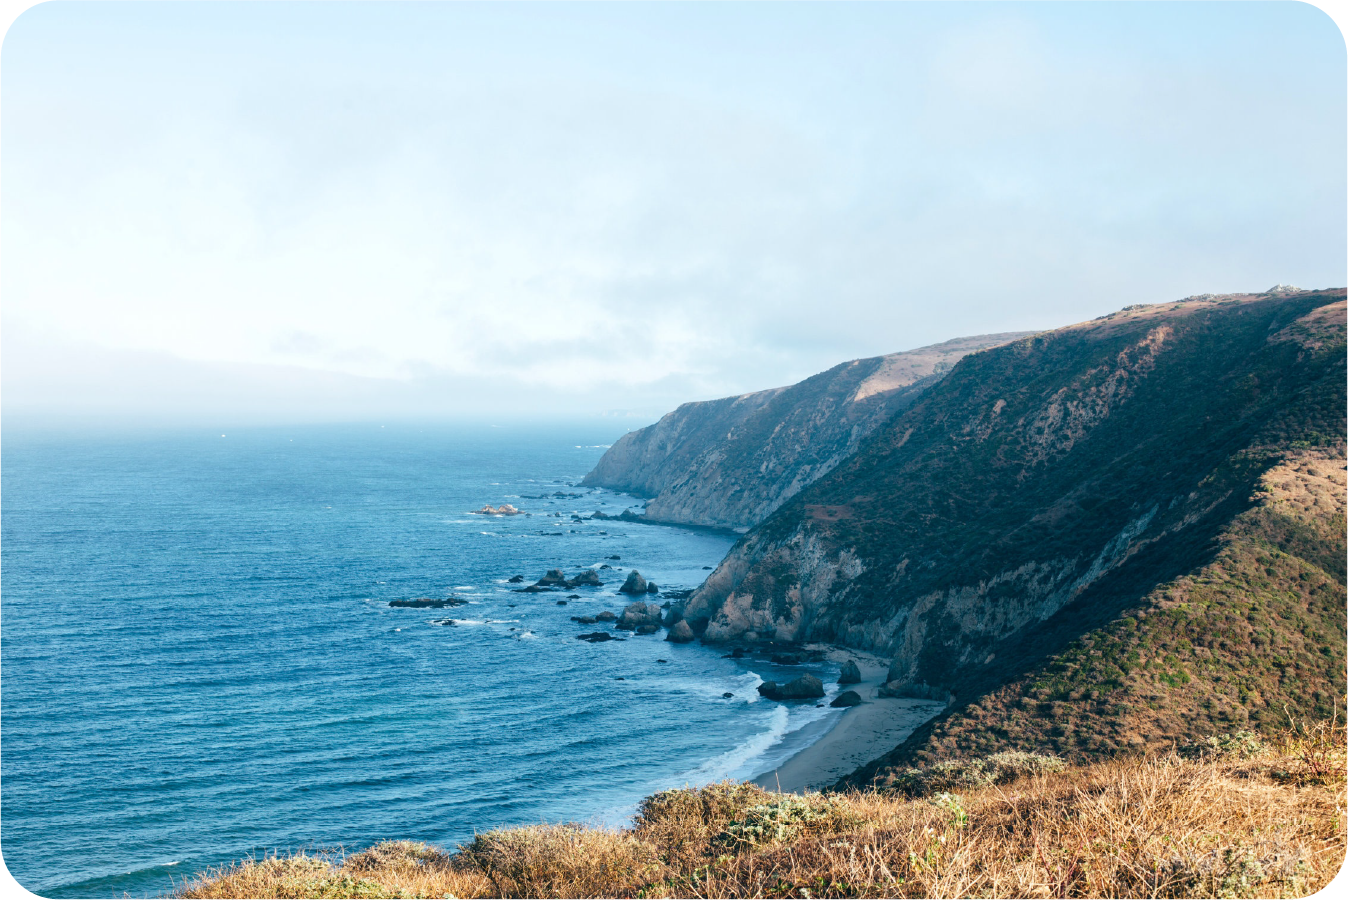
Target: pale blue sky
<point x="276" y="210"/>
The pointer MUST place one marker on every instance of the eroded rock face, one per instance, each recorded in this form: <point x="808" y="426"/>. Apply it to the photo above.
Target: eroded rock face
<point x="730" y="463"/>
<point x="1032" y="474"/>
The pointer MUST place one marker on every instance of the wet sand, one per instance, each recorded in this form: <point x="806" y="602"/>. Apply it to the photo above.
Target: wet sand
<point x="862" y="733"/>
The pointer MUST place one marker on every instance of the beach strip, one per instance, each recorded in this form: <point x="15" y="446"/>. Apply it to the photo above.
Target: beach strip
<point x="862" y="733"/>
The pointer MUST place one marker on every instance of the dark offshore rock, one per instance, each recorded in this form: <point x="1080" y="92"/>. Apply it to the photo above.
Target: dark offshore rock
<point x="651" y="588"/>
<point x="673" y="613"/>
<point x="680" y="633"/>
<point x="806" y="687"/>
<point x="427" y="603"/>
<point x="516" y="579"/>
<point x="607" y="616"/>
<point x="597" y="637"/>
<point x="588" y="578"/>
<point x="727" y="695"/>
<point x="561" y="603"/>
<point x="785" y="659"/>
<point x="846" y="698"/>
<point x="648" y="628"/>
<point x="605" y="566"/>
<point x="584" y="620"/>
<point x="554" y="578"/>
<point x="637" y="614"/>
<point x="441" y="622"/>
<point x="534" y="589"/>
<point x="850" y="674"/>
<point x="634" y="584"/>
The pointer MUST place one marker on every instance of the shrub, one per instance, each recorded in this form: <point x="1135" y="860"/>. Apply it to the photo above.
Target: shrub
<point x="784" y="818"/>
<point x="563" y="861"/>
<point x="683" y="823"/>
<point x="968" y="774"/>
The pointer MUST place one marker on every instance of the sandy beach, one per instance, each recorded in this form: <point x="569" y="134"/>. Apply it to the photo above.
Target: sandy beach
<point x="862" y="733"/>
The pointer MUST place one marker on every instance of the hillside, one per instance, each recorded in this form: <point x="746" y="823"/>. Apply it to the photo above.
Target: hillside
<point x="1108" y="536"/>
<point x="1236" y="819"/>
<point x="729" y="463"/>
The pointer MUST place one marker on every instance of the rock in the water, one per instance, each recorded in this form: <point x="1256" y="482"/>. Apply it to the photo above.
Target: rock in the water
<point x="846" y="698"/>
<point x="516" y="579"/>
<point x="634" y="584"/>
<point x="615" y="556"/>
<point x="588" y="578"/>
<point x="505" y="509"/>
<point x="607" y="616"/>
<point x="597" y="637"/>
<point x="584" y="620"/>
<point x="605" y="565"/>
<point x="727" y="695"/>
<point x="442" y="622"/>
<point x="554" y="578"/>
<point x="534" y="589"/>
<point x="785" y="659"/>
<point x="637" y="614"/>
<point x="806" y="687"/>
<point x="651" y="588"/>
<point x="648" y="628"/>
<point x="680" y="633"/>
<point x="427" y="603"/>
<point x="561" y="603"/>
<point x="851" y="673"/>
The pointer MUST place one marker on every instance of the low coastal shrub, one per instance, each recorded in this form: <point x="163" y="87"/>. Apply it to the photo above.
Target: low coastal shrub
<point x="683" y="823"/>
<point x="1234" y="820"/>
<point x="786" y="817"/>
<point x="562" y="861"/>
<point x="969" y="774"/>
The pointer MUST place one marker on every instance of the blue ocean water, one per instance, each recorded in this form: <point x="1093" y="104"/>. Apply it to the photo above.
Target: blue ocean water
<point x="198" y="661"/>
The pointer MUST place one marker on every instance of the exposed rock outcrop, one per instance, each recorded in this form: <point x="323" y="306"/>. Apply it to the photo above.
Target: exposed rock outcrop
<point x="634" y="584"/>
<point x="638" y="614"/>
<point x="427" y="603"/>
<point x="680" y="633"/>
<point x="729" y="463"/>
<point x="846" y="698"/>
<point x="806" y="687"/>
<point x="850" y="673"/>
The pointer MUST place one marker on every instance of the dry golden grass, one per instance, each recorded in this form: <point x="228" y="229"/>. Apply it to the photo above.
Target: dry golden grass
<point x="1238" y="819"/>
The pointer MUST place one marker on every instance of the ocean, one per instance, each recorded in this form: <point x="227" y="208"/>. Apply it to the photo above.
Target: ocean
<point x="198" y="662"/>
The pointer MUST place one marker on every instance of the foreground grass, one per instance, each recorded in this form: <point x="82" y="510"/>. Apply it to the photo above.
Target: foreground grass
<point x="1233" y="817"/>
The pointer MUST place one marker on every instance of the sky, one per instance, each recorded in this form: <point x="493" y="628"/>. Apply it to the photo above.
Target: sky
<point x="357" y="211"/>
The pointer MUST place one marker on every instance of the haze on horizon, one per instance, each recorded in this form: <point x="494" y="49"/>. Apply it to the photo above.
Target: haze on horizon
<point x="310" y="211"/>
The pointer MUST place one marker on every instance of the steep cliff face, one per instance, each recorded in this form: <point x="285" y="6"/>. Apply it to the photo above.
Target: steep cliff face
<point x="1046" y="487"/>
<point x="730" y="463"/>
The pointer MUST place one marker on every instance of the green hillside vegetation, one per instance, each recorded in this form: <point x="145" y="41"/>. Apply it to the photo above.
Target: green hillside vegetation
<point x="1082" y="537"/>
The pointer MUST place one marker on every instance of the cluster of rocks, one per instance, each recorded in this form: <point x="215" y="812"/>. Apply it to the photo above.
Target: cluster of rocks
<point x="505" y="509"/>
<point x="556" y="580"/>
<point x="555" y="495"/>
<point x="427" y="603"/>
<point x="635" y="584"/>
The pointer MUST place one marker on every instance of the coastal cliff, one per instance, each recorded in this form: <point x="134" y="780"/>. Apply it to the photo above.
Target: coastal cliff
<point x="730" y="463"/>
<point x="1080" y="481"/>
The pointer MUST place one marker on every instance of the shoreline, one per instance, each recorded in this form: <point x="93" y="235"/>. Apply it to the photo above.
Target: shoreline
<point x="862" y="733"/>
